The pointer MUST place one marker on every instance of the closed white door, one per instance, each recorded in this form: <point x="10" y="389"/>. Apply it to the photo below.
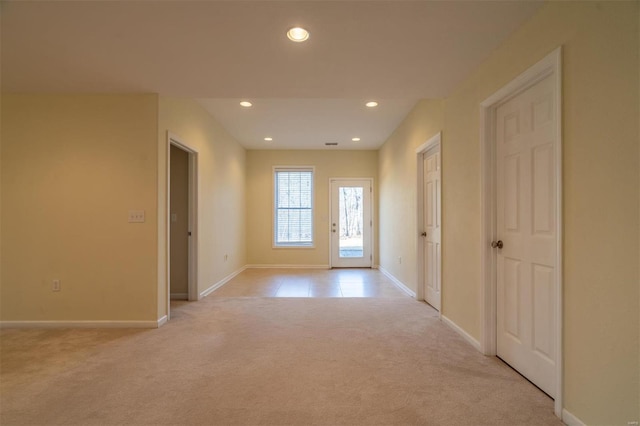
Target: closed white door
<point x="526" y="250"/>
<point x="351" y="223"/>
<point x="432" y="227"/>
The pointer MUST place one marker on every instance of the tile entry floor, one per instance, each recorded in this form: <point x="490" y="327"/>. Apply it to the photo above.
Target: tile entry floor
<point x="310" y="283"/>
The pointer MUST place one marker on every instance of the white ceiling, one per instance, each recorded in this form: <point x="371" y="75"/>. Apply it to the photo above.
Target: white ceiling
<point x="221" y="52"/>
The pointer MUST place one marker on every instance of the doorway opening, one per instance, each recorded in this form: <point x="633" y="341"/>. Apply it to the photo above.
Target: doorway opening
<point x="351" y="232"/>
<point x="182" y="221"/>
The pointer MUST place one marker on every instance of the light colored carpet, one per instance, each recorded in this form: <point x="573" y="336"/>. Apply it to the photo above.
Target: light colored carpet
<point x="265" y="361"/>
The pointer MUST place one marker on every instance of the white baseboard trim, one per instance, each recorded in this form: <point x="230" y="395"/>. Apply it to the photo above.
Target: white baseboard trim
<point x="80" y="324"/>
<point x="220" y="283"/>
<point x="287" y="266"/>
<point x="461" y="332"/>
<point x="179" y="296"/>
<point x="571" y="420"/>
<point x="397" y="282"/>
<point x="162" y="321"/>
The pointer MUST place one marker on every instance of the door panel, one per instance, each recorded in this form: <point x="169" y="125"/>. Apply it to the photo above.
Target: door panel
<point x="511" y="317"/>
<point x="351" y="223"/>
<point x="526" y="205"/>
<point x="543" y="294"/>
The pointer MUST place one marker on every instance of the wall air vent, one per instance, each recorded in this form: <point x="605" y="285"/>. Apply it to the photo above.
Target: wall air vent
<point x="331" y="143"/>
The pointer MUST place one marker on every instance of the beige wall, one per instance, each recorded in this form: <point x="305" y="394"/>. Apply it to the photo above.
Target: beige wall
<point x="221" y="192"/>
<point x="328" y="164"/>
<point x="600" y="148"/>
<point x="398" y="179"/>
<point x="179" y="208"/>
<point x="72" y="168"/>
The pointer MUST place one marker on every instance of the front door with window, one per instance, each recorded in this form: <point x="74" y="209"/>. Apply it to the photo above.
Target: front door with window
<point x="351" y="223"/>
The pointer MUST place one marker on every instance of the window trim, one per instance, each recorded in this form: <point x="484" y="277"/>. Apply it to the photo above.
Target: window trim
<point x="274" y="208"/>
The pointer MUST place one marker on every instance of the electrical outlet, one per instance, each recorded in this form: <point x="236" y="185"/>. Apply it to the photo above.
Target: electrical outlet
<point x="226" y="257"/>
<point x="55" y="285"/>
<point x="136" y="216"/>
<point x="400" y="259"/>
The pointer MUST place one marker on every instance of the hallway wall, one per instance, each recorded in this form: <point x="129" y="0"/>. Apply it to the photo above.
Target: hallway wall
<point x="221" y="192"/>
<point x="327" y="164"/>
<point x="72" y="168"/>
<point x="601" y="199"/>
<point x="398" y="197"/>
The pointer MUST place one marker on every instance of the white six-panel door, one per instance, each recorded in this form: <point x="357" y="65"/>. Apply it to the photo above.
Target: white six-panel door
<point x="432" y="227"/>
<point x="526" y="197"/>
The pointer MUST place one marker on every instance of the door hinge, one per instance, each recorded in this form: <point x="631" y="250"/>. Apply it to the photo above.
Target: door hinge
<point x="371" y="223"/>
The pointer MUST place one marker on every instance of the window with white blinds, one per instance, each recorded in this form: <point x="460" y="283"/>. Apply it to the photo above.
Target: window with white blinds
<point x="293" y="225"/>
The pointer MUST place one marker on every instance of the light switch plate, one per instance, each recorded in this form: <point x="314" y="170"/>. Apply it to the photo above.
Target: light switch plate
<point x="136" y="216"/>
<point x="174" y="217"/>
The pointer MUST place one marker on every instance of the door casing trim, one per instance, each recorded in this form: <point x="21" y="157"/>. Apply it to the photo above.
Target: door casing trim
<point x="550" y="65"/>
<point x="430" y="144"/>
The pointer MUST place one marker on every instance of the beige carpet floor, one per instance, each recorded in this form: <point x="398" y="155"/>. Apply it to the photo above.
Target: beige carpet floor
<point x="265" y="361"/>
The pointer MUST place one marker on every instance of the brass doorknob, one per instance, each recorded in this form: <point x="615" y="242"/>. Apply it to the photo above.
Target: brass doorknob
<point x="424" y="234"/>
<point x="499" y="244"/>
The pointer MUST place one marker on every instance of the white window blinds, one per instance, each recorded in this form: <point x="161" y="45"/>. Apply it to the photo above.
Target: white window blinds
<point x="293" y="207"/>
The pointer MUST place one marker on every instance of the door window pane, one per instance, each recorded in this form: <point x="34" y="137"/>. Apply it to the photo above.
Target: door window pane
<point x="351" y="221"/>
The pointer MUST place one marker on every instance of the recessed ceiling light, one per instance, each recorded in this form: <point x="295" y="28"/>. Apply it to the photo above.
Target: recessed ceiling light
<point x="297" y="34"/>
<point x="355" y="139"/>
<point x="246" y="104"/>
<point x="371" y="104"/>
<point x="268" y="139"/>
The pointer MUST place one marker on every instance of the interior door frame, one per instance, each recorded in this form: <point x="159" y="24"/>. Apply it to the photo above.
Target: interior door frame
<point x="192" y="285"/>
<point x="550" y="65"/>
<point x="430" y="144"/>
<point x="371" y="210"/>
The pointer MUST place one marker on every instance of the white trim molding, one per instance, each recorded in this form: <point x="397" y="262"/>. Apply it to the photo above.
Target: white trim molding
<point x="220" y="283"/>
<point x="430" y="143"/>
<point x="466" y="336"/>
<point x="267" y="266"/>
<point x="162" y="320"/>
<point x="397" y="282"/>
<point x="571" y="420"/>
<point x="81" y="324"/>
<point x="550" y="65"/>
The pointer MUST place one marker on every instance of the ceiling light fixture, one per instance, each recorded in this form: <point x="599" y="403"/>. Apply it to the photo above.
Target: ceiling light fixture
<point x="268" y="139"/>
<point x="355" y="139"/>
<point x="297" y="34"/>
<point x="246" y="104"/>
<point x="371" y="104"/>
